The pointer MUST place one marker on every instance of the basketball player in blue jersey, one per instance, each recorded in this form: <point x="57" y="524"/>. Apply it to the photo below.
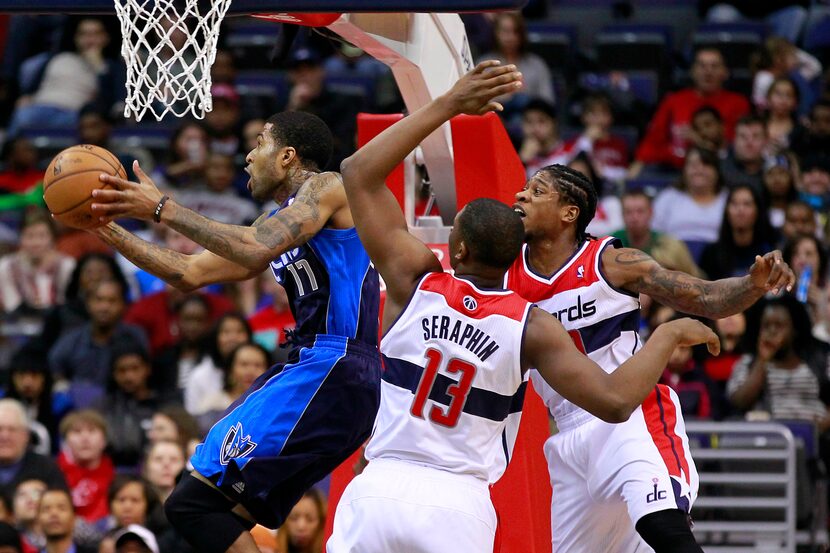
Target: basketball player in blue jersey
<point x="456" y="350"/>
<point x="299" y="420"/>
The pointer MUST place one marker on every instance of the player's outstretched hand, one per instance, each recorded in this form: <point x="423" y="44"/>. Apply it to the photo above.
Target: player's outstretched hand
<point x="473" y="93"/>
<point x="690" y="332"/>
<point x="126" y="199"/>
<point x="771" y="273"/>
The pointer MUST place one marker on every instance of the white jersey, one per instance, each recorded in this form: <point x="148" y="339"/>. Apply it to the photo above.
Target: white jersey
<point x="602" y="320"/>
<point x="452" y="388"/>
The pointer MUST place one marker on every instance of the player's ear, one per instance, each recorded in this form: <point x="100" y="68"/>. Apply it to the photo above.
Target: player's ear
<point x="287" y="155"/>
<point x="569" y="213"/>
<point x="461" y="251"/>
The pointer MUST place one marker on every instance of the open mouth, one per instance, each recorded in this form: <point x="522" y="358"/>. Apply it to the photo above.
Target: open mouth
<point x="518" y="209"/>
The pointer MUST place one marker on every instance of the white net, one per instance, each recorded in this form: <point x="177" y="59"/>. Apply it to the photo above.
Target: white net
<point x="169" y="47"/>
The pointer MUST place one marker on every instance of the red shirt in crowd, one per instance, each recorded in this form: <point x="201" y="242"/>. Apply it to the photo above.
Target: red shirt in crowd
<point x="159" y="320"/>
<point x="89" y="487"/>
<point x="269" y="325"/>
<point x="665" y="141"/>
<point x="15" y="182"/>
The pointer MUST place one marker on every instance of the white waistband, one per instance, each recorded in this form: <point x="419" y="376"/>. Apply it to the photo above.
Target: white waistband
<point x="426" y="471"/>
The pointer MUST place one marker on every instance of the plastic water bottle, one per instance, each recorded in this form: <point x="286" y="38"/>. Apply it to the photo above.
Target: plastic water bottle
<point x="803" y="287"/>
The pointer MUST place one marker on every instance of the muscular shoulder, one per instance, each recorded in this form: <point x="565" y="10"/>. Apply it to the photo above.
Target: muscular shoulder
<point x="321" y="187"/>
<point x="624" y="266"/>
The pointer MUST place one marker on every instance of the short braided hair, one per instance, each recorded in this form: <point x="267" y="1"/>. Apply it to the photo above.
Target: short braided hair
<point x="577" y="188"/>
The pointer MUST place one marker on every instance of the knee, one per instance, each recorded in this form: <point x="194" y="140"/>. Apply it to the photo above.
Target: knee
<point x="668" y="532"/>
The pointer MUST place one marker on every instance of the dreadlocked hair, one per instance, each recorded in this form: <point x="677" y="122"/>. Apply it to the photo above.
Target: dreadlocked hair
<point x="577" y="188"/>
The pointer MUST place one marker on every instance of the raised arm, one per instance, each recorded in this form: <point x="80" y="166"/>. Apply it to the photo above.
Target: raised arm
<point x="637" y="272"/>
<point x="398" y="256"/>
<point x="611" y="397"/>
<point x="185" y="272"/>
<point x="252" y="247"/>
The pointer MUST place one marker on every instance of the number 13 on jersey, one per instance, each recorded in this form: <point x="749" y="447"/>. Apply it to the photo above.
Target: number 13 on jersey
<point x="458" y="391"/>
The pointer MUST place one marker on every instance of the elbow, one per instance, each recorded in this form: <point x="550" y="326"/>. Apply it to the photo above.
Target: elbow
<point x="184" y="283"/>
<point x="347" y="170"/>
<point x="618" y="411"/>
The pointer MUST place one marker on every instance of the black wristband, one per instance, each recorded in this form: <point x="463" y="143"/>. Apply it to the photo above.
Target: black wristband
<point x="159" y="207"/>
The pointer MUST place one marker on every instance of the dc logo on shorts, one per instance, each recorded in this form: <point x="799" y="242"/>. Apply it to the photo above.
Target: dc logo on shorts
<point x="235" y="444"/>
<point x="470" y="303"/>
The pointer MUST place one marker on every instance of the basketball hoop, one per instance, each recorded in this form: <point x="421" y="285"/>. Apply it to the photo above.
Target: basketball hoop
<point x="169" y="47"/>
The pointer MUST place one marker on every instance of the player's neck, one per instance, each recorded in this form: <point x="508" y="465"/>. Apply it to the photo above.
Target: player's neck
<point x="482" y="277"/>
<point x="547" y="254"/>
<point x="295" y="178"/>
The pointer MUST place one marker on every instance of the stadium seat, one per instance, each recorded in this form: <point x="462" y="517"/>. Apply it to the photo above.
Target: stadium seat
<point x="50" y="141"/>
<point x="645" y="85"/>
<point x="253" y="45"/>
<point x="354" y="85"/>
<point x="634" y="47"/>
<point x="817" y="41"/>
<point x="153" y="137"/>
<point x="262" y="91"/>
<point x="737" y="42"/>
<point x="554" y="43"/>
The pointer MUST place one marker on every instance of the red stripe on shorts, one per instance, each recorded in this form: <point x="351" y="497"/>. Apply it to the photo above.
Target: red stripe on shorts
<point x="660" y="415"/>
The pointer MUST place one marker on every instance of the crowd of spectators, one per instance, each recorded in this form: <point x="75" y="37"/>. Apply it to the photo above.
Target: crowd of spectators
<point x="110" y="377"/>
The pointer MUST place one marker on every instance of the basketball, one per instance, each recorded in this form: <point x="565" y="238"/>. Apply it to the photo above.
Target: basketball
<point x="70" y="179"/>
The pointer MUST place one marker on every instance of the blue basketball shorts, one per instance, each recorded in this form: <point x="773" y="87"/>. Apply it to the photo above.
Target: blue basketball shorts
<point x="296" y="424"/>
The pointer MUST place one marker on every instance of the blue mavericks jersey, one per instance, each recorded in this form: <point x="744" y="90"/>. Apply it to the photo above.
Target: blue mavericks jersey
<point x="332" y="287"/>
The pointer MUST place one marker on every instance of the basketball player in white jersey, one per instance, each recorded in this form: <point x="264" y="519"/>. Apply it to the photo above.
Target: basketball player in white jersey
<point x="624" y="488"/>
<point x="456" y="350"/>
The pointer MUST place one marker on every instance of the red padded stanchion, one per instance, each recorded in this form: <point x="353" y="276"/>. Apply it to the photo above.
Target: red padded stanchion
<point x="486" y="165"/>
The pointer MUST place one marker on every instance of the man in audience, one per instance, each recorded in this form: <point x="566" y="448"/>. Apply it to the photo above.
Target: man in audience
<point x="87" y="469"/>
<point x="16" y="462"/>
<point x="222" y="122"/>
<point x="136" y="539"/>
<point x="608" y="153"/>
<point x="668" y="251"/>
<point x="800" y="219"/>
<point x="815" y="139"/>
<point x="745" y="162"/>
<point x="24" y="505"/>
<point x="815" y="182"/>
<point x="541" y="144"/>
<point x="218" y="200"/>
<point x="82" y="356"/>
<point x="56" y="518"/>
<point x="309" y="93"/>
<point x="708" y="131"/>
<point x="669" y="133"/>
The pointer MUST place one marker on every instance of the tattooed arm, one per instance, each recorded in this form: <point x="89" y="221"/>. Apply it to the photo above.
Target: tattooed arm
<point x="254" y="247"/>
<point x="185" y="272"/>
<point x="636" y="272"/>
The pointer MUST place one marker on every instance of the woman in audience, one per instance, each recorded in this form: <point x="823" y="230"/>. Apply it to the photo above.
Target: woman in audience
<point x="173" y="423"/>
<point x="786" y="373"/>
<point x="510" y="39"/>
<point x="36" y="276"/>
<point x="206" y="379"/>
<point x="164" y="462"/>
<point x="744" y="233"/>
<point x="608" y="217"/>
<point x="782" y="114"/>
<point x="807" y="257"/>
<point x="779" y="188"/>
<point x="693" y="211"/>
<point x="71" y="79"/>
<point x="245" y="364"/>
<point x="174" y="364"/>
<point x="304" y="528"/>
<point x="132" y="500"/>
<point x="186" y="160"/>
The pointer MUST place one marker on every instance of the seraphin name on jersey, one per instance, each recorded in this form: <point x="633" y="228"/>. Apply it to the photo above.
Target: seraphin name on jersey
<point x="442" y="327"/>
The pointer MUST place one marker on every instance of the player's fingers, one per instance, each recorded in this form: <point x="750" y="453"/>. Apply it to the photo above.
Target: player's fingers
<point x="116" y="182"/>
<point x="506" y="88"/>
<point x="110" y="209"/>
<point x="790" y="279"/>
<point x="509" y="79"/>
<point x="774" y="275"/>
<point x="492" y="106"/>
<point x="105" y="195"/>
<point x="139" y="172"/>
<point x="484" y="65"/>
<point x="713" y="344"/>
<point x="498" y="71"/>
